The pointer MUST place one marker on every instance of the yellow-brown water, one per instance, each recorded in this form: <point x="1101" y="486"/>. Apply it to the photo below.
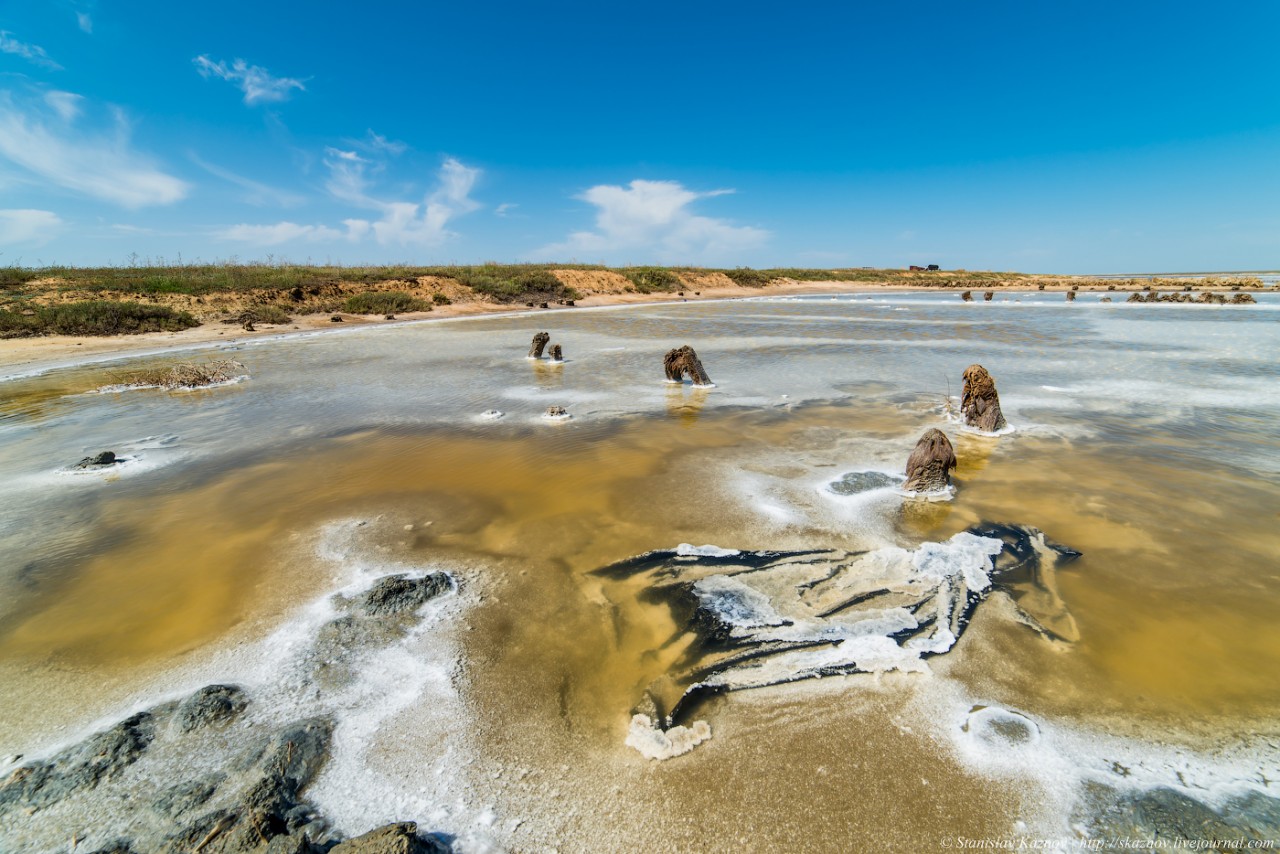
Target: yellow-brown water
<point x="1175" y="600"/>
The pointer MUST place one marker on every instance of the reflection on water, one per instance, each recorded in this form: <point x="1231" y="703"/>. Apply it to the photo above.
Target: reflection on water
<point x="1162" y="474"/>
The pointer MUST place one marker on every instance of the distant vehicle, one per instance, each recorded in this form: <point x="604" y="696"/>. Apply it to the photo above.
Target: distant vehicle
<point x="933" y="267"/>
<point x="913" y="268"/>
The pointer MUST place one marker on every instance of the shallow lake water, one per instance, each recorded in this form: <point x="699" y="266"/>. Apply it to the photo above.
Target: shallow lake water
<point x="1144" y="437"/>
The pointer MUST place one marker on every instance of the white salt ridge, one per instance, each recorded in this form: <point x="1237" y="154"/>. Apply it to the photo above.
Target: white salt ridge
<point x="735" y="603"/>
<point x="655" y="743"/>
<point x="940" y="574"/>
<point x="946" y="493"/>
<point x="688" y="550"/>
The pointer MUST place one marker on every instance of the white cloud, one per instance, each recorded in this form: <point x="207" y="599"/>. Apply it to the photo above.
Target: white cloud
<point x="378" y="142"/>
<point x="258" y="193"/>
<point x="65" y="104"/>
<point x="504" y="208"/>
<point x="283" y="232"/>
<point x="653" y="217"/>
<point x="85" y="22"/>
<point x="28" y="226"/>
<point x="34" y="53"/>
<point x="102" y="166"/>
<point x="403" y="223"/>
<point x="255" y="82"/>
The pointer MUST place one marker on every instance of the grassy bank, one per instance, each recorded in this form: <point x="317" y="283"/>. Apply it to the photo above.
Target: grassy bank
<point x="97" y="317"/>
<point x="122" y="300"/>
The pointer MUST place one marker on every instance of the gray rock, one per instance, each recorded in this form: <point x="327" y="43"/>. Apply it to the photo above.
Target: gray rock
<point x="83" y="766"/>
<point x="862" y="481"/>
<point x="400" y="838"/>
<point x="212" y="704"/>
<point x="188" y="796"/>
<point x="397" y="594"/>
<point x="102" y="460"/>
<point x="1167" y="814"/>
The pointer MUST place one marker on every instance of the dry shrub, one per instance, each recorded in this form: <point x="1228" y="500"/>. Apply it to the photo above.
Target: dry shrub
<point x="188" y="375"/>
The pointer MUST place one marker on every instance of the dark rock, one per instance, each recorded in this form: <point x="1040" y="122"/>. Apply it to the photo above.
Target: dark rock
<point x="389" y="317"/>
<point x="335" y="319"/>
<point x="397" y="594"/>
<point x="967" y="296"/>
<point x="1040" y="287"/>
<point x="212" y="704"/>
<point x="682" y="362"/>
<point x="539" y="343"/>
<point x="862" y="481"/>
<point x="101" y="756"/>
<point x="1105" y="299"/>
<point x="556" y="412"/>
<point x="400" y="838"/>
<point x="931" y="462"/>
<point x="1071" y="295"/>
<point x="296" y="295"/>
<point x="188" y="796"/>
<point x="543" y="305"/>
<point x="988" y="295"/>
<point x="102" y="460"/>
<point x="568" y="302"/>
<point x="1242" y="299"/>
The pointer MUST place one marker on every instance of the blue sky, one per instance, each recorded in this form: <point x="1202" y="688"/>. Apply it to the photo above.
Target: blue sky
<point x="1070" y="137"/>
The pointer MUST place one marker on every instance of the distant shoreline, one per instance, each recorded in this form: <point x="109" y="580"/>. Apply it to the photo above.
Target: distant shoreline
<point x="21" y="357"/>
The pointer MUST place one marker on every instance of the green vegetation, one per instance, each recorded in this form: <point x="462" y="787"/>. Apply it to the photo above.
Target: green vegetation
<point x="748" y="278"/>
<point x="647" y="280"/>
<point x="511" y="283"/>
<point x="441" y="299"/>
<point x="385" y="302"/>
<point x="96" y="317"/>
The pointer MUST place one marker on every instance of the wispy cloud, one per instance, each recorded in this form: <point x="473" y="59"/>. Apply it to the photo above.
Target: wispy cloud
<point x="257" y="84"/>
<point x="285" y="232"/>
<point x="406" y="223"/>
<point x="31" y="52"/>
<point x="85" y="22"/>
<point x="503" y="209"/>
<point x="28" y="226"/>
<point x="400" y="222"/>
<point x="257" y="193"/>
<point x="101" y="165"/>
<point x="65" y="104"/>
<point x="654" y="218"/>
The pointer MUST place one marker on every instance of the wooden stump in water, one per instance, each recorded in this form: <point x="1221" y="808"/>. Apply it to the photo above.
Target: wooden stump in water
<point x="930" y="464"/>
<point x="967" y="296"/>
<point x="979" y="403"/>
<point x="988" y="295"/>
<point x="539" y="341"/>
<point x="556" y="354"/>
<point x="681" y="361"/>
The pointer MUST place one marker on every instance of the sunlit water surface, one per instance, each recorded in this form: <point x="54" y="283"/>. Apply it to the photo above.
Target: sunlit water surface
<point x="1145" y="438"/>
